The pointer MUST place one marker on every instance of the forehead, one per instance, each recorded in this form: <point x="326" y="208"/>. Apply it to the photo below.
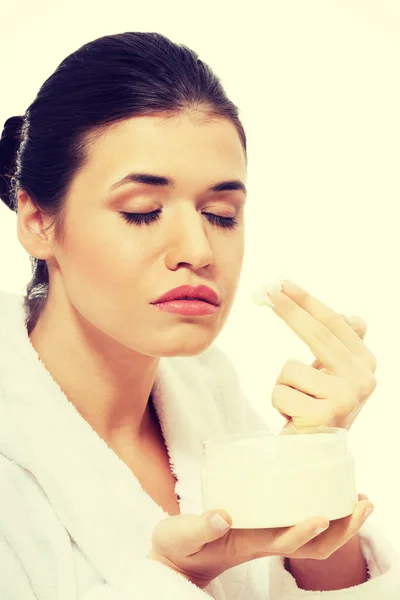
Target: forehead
<point x="170" y="145"/>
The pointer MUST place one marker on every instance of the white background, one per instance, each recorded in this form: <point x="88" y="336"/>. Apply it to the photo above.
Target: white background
<point x="317" y="84"/>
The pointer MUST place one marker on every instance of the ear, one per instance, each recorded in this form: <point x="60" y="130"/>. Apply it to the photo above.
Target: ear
<point x="31" y="228"/>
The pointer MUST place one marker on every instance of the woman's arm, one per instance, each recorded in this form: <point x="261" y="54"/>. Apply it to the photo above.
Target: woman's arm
<point x="343" y="569"/>
<point x="382" y="560"/>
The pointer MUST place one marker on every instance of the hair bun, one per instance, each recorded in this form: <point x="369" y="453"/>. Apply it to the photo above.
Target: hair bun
<point x="9" y="143"/>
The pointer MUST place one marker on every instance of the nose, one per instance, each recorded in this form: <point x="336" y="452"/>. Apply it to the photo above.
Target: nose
<point x="188" y="241"/>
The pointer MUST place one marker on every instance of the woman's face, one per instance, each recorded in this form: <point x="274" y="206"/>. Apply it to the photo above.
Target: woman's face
<point x="111" y="270"/>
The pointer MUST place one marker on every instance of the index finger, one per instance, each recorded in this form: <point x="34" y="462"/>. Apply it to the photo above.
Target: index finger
<point x="327" y="334"/>
<point x="347" y="332"/>
<point x="282" y="541"/>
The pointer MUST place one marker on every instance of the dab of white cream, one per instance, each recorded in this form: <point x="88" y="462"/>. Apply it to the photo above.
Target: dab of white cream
<point x="260" y="295"/>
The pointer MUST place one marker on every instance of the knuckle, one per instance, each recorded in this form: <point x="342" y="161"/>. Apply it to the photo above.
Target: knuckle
<point x="276" y="395"/>
<point x="289" y="370"/>
<point x="347" y="401"/>
<point x="335" y="320"/>
<point x="358" y="324"/>
<point x="323" y="334"/>
<point x="372" y="361"/>
<point x="366" y="385"/>
<point x="327" y="415"/>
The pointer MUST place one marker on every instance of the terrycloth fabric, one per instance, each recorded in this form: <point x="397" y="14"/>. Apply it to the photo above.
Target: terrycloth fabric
<point x="75" y="523"/>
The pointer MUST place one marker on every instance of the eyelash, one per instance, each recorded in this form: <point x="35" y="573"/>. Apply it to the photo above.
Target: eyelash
<point x="151" y="217"/>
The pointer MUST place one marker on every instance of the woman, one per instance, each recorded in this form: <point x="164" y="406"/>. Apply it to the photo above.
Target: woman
<point x="127" y="175"/>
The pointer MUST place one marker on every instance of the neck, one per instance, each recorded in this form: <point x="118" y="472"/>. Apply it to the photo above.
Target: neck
<point x="108" y="383"/>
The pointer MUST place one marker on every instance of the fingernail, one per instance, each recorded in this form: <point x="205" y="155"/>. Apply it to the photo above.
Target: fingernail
<point x="367" y="513"/>
<point x="274" y="287"/>
<point x="218" y="523"/>
<point x="320" y="530"/>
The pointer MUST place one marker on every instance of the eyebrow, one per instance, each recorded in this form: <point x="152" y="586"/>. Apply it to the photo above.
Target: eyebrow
<point x="156" y="180"/>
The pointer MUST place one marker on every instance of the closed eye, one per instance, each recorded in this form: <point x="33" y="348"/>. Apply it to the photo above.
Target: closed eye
<point x="225" y="222"/>
<point x="141" y="218"/>
<point x="151" y="217"/>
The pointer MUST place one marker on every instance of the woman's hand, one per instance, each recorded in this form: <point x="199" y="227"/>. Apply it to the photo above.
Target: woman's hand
<point x="190" y="546"/>
<point x="332" y="391"/>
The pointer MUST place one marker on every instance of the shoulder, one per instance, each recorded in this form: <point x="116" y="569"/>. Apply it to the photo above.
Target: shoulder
<point x="25" y="508"/>
<point x="9" y="301"/>
<point x="30" y="531"/>
<point x="12" y="315"/>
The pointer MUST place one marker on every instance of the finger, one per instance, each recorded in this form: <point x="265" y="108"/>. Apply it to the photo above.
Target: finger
<point x="329" y="318"/>
<point x="288" y="540"/>
<point x="303" y="410"/>
<point x="317" y="364"/>
<point x="322" y="342"/>
<point x="340" y="531"/>
<point x="363" y="497"/>
<point x="184" y="535"/>
<point x="311" y="397"/>
<point x="329" y="336"/>
<point x="309" y="380"/>
<point x="357" y="324"/>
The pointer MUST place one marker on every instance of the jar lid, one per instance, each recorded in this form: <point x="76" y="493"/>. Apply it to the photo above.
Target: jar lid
<point x="311" y="446"/>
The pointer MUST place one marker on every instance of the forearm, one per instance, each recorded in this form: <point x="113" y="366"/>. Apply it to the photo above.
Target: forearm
<point x="343" y="569"/>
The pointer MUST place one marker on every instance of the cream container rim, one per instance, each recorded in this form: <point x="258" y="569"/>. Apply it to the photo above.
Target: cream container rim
<point x="277" y="435"/>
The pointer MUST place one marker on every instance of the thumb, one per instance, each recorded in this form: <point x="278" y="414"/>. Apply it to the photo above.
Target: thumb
<point x="185" y="535"/>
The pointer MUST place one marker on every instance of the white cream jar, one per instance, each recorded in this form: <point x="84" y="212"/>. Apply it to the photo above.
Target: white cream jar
<point x="268" y="480"/>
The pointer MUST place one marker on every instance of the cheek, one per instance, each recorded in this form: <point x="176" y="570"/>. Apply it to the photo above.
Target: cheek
<point x="103" y="277"/>
<point x="231" y="259"/>
<point x="105" y="256"/>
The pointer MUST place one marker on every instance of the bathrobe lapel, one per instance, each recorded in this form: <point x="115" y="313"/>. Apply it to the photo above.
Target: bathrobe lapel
<point x="93" y="493"/>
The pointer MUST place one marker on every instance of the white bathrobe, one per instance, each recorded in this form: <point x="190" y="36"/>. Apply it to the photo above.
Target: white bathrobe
<point x="75" y="523"/>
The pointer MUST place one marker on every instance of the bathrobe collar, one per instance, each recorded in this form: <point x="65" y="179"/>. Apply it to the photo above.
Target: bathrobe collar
<point x="94" y="494"/>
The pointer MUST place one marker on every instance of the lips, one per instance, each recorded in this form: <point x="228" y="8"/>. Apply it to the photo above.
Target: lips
<point x="187" y="292"/>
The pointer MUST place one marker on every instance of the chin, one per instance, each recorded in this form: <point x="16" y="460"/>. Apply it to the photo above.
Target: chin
<point x="190" y="346"/>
